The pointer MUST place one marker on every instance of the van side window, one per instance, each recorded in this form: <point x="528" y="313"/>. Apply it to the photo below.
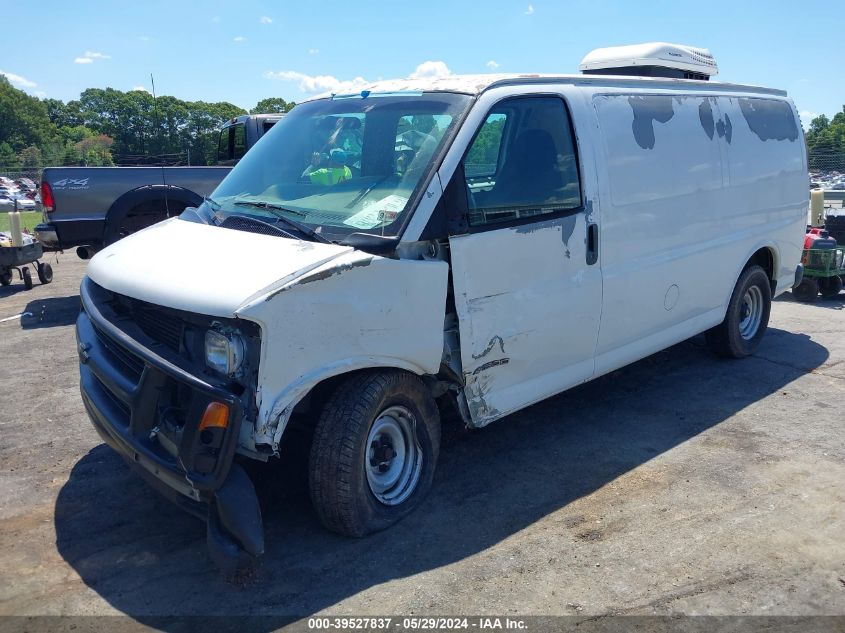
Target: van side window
<point x="522" y="163"/>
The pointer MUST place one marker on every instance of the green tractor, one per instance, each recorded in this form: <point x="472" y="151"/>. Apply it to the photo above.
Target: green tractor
<point x="824" y="267"/>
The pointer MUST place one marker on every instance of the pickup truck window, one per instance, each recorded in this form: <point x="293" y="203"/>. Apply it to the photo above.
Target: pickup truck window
<point x="343" y="165"/>
<point x="522" y="162"/>
<point x="223" y="151"/>
<point x="238" y="140"/>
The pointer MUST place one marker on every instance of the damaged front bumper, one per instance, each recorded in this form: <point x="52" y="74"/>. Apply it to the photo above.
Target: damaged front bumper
<point x="147" y="405"/>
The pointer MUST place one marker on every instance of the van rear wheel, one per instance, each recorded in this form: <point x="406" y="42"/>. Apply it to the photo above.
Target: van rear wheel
<point x="374" y="452"/>
<point x="747" y="316"/>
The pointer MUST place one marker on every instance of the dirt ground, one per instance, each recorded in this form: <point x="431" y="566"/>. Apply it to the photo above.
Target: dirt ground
<point x="683" y="484"/>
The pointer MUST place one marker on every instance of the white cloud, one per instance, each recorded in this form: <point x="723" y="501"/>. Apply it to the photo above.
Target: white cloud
<point x="17" y="80"/>
<point x="139" y="88"/>
<point x="492" y="64"/>
<point x="316" y="83"/>
<point x="265" y="20"/>
<point x="313" y="51"/>
<point x="313" y="84"/>
<point x="530" y="10"/>
<point x="89" y="57"/>
<point x="239" y="38"/>
<point x="430" y="69"/>
<point x="807" y="117"/>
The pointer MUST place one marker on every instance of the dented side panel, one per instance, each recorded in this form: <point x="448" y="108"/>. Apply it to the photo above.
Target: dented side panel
<point x="355" y="312"/>
<point x="528" y="309"/>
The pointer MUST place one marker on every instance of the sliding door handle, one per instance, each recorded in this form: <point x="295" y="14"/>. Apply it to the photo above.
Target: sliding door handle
<point x="592" y="244"/>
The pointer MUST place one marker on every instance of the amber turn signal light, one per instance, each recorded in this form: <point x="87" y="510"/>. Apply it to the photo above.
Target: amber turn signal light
<point x="216" y="415"/>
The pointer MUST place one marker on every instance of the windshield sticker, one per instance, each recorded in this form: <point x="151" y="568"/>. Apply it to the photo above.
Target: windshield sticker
<point x="378" y="212"/>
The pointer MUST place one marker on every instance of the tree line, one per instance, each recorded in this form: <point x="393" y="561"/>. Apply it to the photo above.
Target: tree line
<point x="107" y="127"/>
<point x="826" y="142"/>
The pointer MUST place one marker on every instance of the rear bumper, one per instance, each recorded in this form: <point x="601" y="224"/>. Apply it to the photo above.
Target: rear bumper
<point x="63" y="234"/>
<point x="47" y="235"/>
<point x="147" y="407"/>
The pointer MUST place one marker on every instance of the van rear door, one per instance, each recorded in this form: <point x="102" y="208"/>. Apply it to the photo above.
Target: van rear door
<point x="526" y="279"/>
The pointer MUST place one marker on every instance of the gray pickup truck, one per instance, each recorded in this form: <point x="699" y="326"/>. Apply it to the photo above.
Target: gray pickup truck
<point x="90" y="207"/>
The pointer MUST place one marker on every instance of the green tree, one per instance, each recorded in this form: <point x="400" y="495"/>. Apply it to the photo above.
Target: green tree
<point x="272" y="105"/>
<point x="818" y="125"/>
<point x="31" y="159"/>
<point x="826" y="142"/>
<point x="8" y="158"/>
<point x="23" y="119"/>
<point x="95" y="150"/>
<point x="135" y="125"/>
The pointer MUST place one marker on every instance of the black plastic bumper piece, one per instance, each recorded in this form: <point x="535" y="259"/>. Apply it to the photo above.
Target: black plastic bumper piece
<point x="235" y="531"/>
<point x="130" y="391"/>
<point x="799" y="275"/>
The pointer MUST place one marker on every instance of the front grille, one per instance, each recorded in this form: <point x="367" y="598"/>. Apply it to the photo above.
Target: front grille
<point x="250" y="225"/>
<point x="160" y="325"/>
<point x="133" y="365"/>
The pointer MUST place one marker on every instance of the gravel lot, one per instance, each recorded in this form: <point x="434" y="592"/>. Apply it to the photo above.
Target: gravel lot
<point x="681" y="484"/>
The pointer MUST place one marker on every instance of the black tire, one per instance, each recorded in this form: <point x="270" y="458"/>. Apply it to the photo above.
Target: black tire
<point x="27" y="279"/>
<point x="5" y="278"/>
<point x="830" y="286"/>
<point x="727" y="339"/>
<point x="45" y="273"/>
<point x="340" y="457"/>
<point x="807" y="291"/>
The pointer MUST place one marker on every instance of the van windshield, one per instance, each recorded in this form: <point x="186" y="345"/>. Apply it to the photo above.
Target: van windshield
<point x="342" y="165"/>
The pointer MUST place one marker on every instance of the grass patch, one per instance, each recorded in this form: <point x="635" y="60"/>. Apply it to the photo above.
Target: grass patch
<point x="28" y="220"/>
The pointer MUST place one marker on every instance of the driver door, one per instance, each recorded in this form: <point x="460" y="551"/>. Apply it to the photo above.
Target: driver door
<point x="526" y="277"/>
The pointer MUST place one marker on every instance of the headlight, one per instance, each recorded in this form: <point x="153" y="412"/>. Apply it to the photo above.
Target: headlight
<point x="223" y="352"/>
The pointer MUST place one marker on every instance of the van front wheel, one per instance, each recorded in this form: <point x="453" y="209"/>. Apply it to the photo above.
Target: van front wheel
<point x="747" y="317"/>
<point x="374" y="452"/>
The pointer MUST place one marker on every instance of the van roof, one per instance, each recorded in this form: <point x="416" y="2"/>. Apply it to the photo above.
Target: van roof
<point x="476" y="84"/>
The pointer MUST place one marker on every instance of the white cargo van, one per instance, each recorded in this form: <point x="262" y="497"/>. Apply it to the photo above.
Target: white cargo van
<point x="488" y="241"/>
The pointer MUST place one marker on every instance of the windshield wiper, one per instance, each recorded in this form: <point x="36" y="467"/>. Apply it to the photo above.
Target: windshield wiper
<point x="367" y="191"/>
<point x="261" y="204"/>
<point x="277" y="211"/>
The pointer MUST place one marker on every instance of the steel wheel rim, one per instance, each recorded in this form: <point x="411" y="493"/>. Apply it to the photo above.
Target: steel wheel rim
<point x="393" y="459"/>
<point x="750" y="313"/>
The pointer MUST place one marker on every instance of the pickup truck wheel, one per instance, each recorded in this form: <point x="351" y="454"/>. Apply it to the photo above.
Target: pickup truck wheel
<point x="747" y="316"/>
<point x="45" y="273"/>
<point x="374" y="453"/>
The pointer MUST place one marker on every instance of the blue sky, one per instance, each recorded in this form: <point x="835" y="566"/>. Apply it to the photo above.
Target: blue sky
<point x="242" y="51"/>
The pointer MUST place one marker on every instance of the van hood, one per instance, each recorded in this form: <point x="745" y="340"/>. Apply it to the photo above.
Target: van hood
<point x="204" y="269"/>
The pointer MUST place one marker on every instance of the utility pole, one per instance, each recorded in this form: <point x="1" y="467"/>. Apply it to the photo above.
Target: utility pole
<point x="155" y="113"/>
